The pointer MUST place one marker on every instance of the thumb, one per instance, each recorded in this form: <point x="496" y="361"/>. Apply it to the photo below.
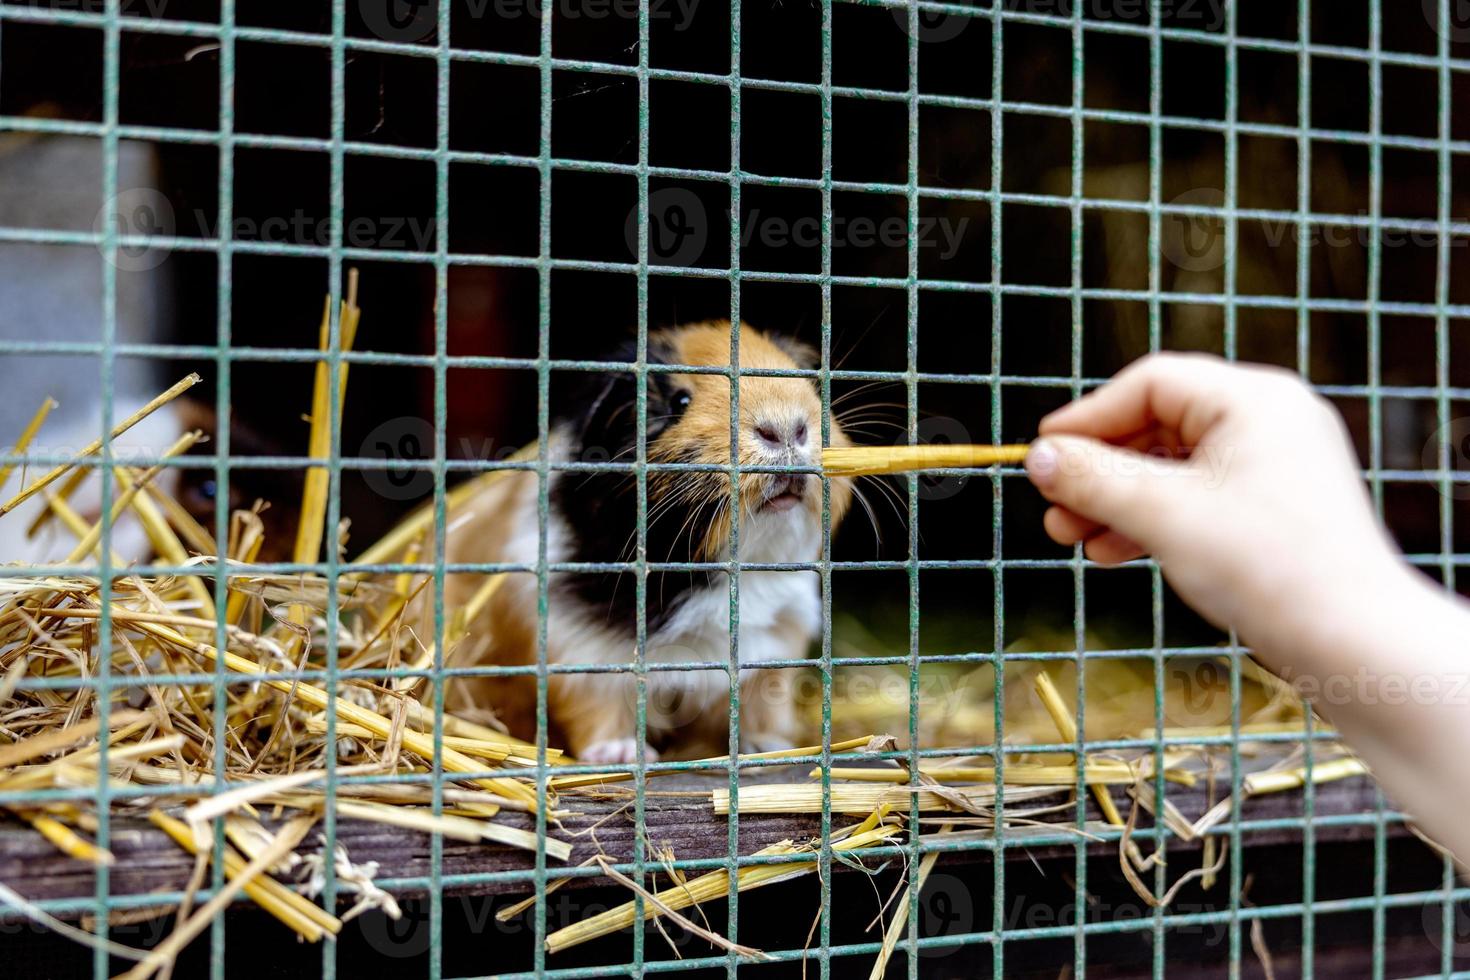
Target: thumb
<point x="1115" y="487"/>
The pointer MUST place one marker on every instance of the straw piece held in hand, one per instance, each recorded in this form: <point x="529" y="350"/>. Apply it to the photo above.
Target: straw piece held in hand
<point x="878" y="460"/>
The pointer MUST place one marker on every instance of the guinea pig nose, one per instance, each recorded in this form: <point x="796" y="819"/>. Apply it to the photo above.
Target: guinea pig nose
<point x="768" y="434"/>
<point x="799" y="435"/>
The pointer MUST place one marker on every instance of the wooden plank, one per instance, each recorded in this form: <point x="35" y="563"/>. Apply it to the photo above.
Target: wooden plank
<point x="678" y="813"/>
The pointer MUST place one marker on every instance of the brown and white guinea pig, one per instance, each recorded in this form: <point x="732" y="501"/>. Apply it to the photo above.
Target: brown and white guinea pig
<point x="592" y="616"/>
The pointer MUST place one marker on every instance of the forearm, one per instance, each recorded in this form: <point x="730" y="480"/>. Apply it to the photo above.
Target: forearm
<point x="1389" y="665"/>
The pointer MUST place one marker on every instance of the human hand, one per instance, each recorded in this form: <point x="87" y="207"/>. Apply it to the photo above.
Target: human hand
<point x="1238" y="479"/>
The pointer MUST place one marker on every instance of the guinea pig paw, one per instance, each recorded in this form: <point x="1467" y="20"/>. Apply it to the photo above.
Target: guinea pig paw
<point x="614" y="750"/>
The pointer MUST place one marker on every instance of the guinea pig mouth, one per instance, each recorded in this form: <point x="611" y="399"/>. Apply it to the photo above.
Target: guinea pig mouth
<point x="784" y="492"/>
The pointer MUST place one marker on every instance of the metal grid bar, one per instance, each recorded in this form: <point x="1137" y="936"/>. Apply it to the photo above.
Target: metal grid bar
<point x="225" y="246"/>
<point x="997" y="513"/>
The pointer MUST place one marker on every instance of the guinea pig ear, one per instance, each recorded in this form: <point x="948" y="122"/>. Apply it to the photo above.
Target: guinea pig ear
<point x="804" y="354"/>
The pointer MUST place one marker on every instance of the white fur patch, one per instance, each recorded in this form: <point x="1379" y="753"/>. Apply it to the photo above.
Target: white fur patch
<point x="771" y="602"/>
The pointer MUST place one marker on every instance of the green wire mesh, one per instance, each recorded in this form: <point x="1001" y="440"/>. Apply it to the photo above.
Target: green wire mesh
<point x="826" y="956"/>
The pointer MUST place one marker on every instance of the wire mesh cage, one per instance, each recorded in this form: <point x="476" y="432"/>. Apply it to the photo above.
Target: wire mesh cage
<point x="983" y="210"/>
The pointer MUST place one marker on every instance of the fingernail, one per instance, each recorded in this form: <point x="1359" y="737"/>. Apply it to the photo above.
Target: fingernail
<point x="1042" y="463"/>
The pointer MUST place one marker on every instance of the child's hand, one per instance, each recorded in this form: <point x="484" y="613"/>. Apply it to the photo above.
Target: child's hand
<point x="1239" y="480"/>
<point x="1241" y="483"/>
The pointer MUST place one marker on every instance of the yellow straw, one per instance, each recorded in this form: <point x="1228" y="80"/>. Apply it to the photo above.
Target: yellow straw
<point x="878" y="460"/>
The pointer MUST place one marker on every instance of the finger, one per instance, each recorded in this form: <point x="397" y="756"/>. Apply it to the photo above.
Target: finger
<point x="1183" y="392"/>
<point x="1112" y="486"/>
<point x="1112" y="548"/>
<point x="1067" y="528"/>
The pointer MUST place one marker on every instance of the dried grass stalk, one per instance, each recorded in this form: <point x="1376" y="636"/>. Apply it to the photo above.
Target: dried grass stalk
<point x="67" y="841"/>
<point x="1051" y="699"/>
<point x="23" y="442"/>
<point x="880" y="460"/>
<point x="307" y="919"/>
<point x="1277" y="781"/>
<point x="901" y="912"/>
<point x="807" y="798"/>
<point x="163" y="956"/>
<point x="715" y="762"/>
<point x="876" y="829"/>
<point x="1099" y="771"/>
<point x="93" y="448"/>
<point x="310" y="528"/>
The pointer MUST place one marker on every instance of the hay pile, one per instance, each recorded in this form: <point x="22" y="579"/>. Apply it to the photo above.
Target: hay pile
<point x="164" y="744"/>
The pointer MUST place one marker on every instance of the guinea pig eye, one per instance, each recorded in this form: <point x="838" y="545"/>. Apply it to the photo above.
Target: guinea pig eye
<point x="680" y="402"/>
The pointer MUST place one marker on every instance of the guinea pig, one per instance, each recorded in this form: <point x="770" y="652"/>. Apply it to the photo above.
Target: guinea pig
<point x="592" y="616"/>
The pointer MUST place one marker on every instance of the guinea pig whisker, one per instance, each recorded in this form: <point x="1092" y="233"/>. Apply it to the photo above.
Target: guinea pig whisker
<point x="867" y="507"/>
<point x="868" y="386"/>
<point x="627" y="552"/>
<point x="867" y="408"/>
<point x="865" y="427"/>
<point x="891" y="495"/>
